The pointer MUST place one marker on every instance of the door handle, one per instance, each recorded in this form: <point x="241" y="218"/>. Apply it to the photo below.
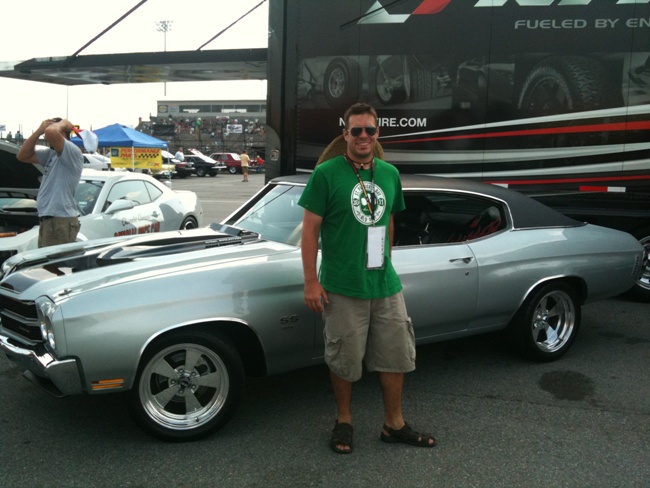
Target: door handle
<point x="466" y="260"/>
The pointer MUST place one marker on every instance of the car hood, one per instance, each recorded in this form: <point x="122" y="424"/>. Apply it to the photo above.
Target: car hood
<point x="70" y="269"/>
<point x="14" y="173"/>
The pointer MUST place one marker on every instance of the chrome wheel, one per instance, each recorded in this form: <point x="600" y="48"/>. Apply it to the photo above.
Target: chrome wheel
<point x="187" y="387"/>
<point x="547" y="323"/>
<point x="641" y="289"/>
<point x="644" y="282"/>
<point x="553" y="321"/>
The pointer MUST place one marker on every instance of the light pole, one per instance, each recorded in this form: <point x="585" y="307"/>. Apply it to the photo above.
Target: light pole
<point x="164" y="26"/>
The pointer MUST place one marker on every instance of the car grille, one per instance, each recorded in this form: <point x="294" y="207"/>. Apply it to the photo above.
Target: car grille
<point x="20" y="318"/>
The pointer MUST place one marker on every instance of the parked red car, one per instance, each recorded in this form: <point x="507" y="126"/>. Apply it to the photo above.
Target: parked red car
<point x="231" y="160"/>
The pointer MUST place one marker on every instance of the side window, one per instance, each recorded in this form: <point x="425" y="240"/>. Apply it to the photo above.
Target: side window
<point x="129" y="190"/>
<point x="439" y="218"/>
<point x="154" y="192"/>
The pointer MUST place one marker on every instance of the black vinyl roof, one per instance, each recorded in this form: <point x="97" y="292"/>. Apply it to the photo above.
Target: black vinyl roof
<point x="526" y="212"/>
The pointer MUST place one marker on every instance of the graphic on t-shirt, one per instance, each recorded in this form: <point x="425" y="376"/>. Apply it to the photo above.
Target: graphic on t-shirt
<point x="360" y="204"/>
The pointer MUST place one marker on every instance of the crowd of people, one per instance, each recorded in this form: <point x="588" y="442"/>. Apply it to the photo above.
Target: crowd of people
<point x="17" y="139"/>
<point x="210" y="134"/>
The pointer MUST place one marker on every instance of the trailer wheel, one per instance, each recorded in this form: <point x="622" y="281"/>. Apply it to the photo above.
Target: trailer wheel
<point x="564" y="84"/>
<point x="392" y="80"/>
<point x="342" y="82"/>
<point x="641" y="290"/>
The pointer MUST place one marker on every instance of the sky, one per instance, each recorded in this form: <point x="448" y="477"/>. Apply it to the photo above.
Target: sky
<point x="42" y="28"/>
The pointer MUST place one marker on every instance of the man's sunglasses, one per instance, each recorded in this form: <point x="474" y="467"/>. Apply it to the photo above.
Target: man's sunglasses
<point x="356" y="131"/>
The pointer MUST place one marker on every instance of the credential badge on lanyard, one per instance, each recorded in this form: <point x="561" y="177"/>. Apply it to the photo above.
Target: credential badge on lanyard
<point x="376" y="234"/>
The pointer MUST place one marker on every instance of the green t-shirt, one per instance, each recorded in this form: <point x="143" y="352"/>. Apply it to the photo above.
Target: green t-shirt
<point x="334" y="193"/>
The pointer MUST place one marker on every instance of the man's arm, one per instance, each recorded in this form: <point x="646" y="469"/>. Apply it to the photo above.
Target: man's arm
<point x="314" y="292"/>
<point x="27" y="152"/>
<point x="57" y="133"/>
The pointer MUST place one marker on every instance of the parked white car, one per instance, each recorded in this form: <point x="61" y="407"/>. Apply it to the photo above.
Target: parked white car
<point x="97" y="161"/>
<point x="111" y="203"/>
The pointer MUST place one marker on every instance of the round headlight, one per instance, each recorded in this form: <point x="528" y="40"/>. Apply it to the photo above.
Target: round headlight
<point x="46" y="332"/>
<point x="46" y="310"/>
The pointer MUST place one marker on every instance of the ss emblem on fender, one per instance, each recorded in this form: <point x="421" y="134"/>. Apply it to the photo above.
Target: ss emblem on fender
<point x="287" y="321"/>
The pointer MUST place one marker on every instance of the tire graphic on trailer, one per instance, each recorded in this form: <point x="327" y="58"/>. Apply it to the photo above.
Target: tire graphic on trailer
<point x="561" y="85"/>
<point x="341" y="85"/>
<point x="564" y="84"/>
<point x="392" y="83"/>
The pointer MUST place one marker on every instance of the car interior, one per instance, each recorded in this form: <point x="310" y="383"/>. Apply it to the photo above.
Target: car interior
<point x="446" y="218"/>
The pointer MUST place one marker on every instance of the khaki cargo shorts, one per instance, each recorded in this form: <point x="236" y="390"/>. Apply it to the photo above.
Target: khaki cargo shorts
<point x="57" y="230"/>
<point x="377" y="333"/>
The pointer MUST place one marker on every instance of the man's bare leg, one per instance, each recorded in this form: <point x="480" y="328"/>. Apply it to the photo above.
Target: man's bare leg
<point x="392" y="385"/>
<point x="343" y="396"/>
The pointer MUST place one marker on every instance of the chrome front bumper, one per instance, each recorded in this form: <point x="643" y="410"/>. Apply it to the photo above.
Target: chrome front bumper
<point x="58" y="377"/>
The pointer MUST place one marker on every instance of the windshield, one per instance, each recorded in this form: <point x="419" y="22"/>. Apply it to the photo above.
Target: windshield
<point x="276" y="216"/>
<point x="86" y="195"/>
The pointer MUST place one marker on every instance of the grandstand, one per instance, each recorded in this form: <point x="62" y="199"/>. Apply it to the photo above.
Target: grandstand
<point x="210" y="126"/>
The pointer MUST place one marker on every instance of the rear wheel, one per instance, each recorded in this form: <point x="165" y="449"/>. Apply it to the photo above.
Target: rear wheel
<point x="232" y="170"/>
<point x="188" y="386"/>
<point x="641" y="290"/>
<point x="547" y="323"/>
<point x="189" y="223"/>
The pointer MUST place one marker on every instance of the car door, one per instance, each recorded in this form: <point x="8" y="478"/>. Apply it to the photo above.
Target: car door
<point x="131" y="208"/>
<point x="433" y="256"/>
<point x="440" y="286"/>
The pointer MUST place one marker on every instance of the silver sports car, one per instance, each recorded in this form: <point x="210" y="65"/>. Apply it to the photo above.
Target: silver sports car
<point x="97" y="317"/>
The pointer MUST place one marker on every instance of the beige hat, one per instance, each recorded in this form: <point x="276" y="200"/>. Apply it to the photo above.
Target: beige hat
<point x="338" y="146"/>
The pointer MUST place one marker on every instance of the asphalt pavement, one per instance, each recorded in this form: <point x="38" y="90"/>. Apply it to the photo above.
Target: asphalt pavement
<point x="501" y="421"/>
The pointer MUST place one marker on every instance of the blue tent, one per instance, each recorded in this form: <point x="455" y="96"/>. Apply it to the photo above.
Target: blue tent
<point x="117" y="135"/>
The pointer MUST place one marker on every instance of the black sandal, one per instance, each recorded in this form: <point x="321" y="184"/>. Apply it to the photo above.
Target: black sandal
<point x="407" y="436"/>
<point x="341" y="436"/>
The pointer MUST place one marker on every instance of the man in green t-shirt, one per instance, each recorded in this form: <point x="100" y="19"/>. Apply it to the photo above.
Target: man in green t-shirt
<point x="349" y="203"/>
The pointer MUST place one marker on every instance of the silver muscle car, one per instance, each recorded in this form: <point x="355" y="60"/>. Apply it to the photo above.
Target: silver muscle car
<point x="97" y="317"/>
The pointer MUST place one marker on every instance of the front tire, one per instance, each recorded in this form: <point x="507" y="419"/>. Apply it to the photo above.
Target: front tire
<point x="546" y="325"/>
<point x="200" y="172"/>
<point x="188" y="386"/>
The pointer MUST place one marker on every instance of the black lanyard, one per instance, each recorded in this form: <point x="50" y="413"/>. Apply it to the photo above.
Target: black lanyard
<point x="370" y="199"/>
